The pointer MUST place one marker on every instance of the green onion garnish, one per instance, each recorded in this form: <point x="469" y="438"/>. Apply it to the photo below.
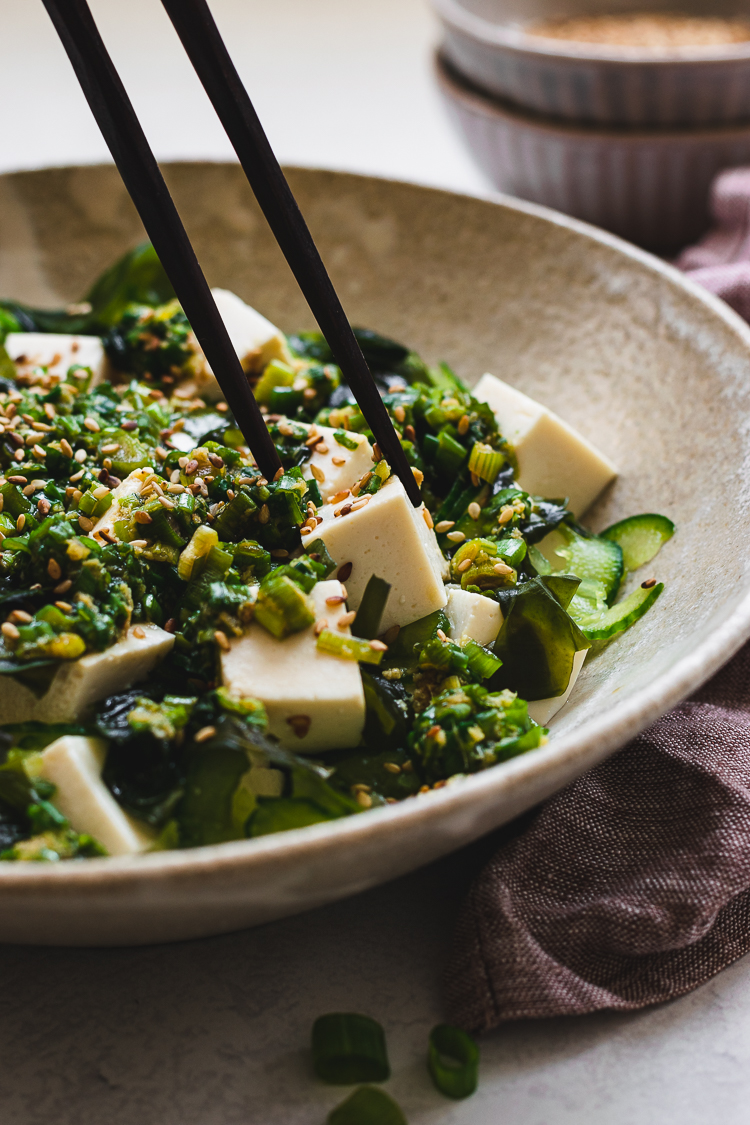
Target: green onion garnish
<point x="367" y="1106"/>
<point x="282" y="607"/>
<point x="349" y="1048"/>
<point x="453" y="1061"/>
<point x="343" y="438"/>
<point x="349" y="648"/>
<point x="367" y="622"/>
<point x="482" y="663"/>
<point x="485" y="462"/>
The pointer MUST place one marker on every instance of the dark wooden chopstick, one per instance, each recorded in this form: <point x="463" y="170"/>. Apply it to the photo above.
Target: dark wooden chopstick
<point x="201" y="39"/>
<point x="137" y="165"/>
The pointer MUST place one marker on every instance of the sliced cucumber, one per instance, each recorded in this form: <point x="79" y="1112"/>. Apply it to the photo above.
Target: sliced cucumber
<point x="619" y="617"/>
<point x="595" y="558"/>
<point x="640" y="537"/>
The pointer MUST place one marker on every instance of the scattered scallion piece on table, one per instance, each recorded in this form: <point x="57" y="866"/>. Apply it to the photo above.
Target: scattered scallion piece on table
<point x="367" y="1106"/>
<point x="367" y="622"/>
<point x="453" y="1061"/>
<point x="349" y="1048"/>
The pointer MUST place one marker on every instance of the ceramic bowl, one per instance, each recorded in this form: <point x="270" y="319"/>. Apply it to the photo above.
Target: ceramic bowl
<point x="653" y="369"/>
<point x="485" y="40"/>
<point x="651" y="187"/>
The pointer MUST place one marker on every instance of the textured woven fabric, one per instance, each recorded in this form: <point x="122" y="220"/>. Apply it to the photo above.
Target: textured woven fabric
<point x="632" y="885"/>
<point x="721" y="261"/>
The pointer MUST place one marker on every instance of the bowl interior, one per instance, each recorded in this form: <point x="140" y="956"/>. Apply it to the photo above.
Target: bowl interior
<point x="654" y="372"/>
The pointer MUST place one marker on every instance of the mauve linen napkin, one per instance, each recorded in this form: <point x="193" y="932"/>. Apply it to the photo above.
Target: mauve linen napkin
<point x="632" y="885"/>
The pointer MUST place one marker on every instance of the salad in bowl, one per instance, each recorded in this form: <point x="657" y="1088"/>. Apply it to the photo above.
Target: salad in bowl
<point x="191" y="653"/>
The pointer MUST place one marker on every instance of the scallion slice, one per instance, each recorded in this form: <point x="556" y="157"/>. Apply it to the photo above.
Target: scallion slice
<point x="453" y="1061"/>
<point x="367" y="622"/>
<point x="367" y="1106"/>
<point x="348" y="648"/>
<point x="349" y="1048"/>
<point x="485" y="462"/>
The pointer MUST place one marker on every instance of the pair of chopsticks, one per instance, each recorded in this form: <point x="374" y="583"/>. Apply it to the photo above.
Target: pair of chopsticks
<point x="137" y="165"/>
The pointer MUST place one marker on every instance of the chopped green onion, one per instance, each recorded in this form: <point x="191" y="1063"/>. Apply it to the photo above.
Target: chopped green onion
<point x="282" y="607"/>
<point x="485" y="462"/>
<point x="199" y="546"/>
<point x="349" y="1048"/>
<point x="453" y="1061"/>
<point x="318" y="552"/>
<point x="276" y="374"/>
<point x="367" y="622"/>
<point x="482" y="663"/>
<point x="367" y="1106"/>
<point x="348" y="648"/>
<point x="343" y="438"/>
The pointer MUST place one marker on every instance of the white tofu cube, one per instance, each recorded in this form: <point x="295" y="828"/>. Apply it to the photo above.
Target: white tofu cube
<point x="131" y="486"/>
<point x="553" y="460"/>
<point x="334" y="466"/>
<point x="542" y="710"/>
<point x="74" y="766"/>
<point x="390" y="538"/>
<point x="79" y="683"/>
<point x="57" y="353"/>
<point x="255" y="339"/>
<point x="314" y="701"/>
<point x="473" y="615"/>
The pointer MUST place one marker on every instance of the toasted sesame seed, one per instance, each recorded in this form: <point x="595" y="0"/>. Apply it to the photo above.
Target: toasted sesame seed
<point x="279" y="553"/>
<point x="100" y="492"/>
<point x="444" y="525"/>
<point x="337" y="599"/>
<point x="204" y="734"/>
<point x="161" y="452"/>
<point x="49" y="410"/>
<point x="376" y="452"/>
<point x="344" y="572"/>
<point x="53" y="569"/>
<point x="139" y="543"/>
<point x="66" y="447"/>
<point x="427" y="518"/>
<point x="80" y="456"/>
<point x="320" y="626"/>
<point x="111" y="448"/>
<point x="506" y="514"/>
<point x="39" y="453"/>
<point x="66" y="607"/>
<point x="463" y="565"/>
<point x="20" y="617"/>
<point x="392" y="767"/>
<point x="314" y="438"/>
<point x="338" y="461"/>
<point x="166" y="503"/>
<point x="463" y="424"/>
<point x="456" y="536"/>
<point x="361" y="503"/>
<point x="434" y="730"/>
<point x="92" y="425"/>
<point x="278" y="474"/>
<point x="76" y="476"/>
<point x="176" y="489"/>
<point x="85" y="523"/>
<point x="475" y="480"/>
<point x="378" y="646"/>
<point x="343" y="511"/>
<point x="474" y="510"/>
<point x="63" y="587"/>
<point x="346" y="619"/>
<point x="264" y="514"/>
<point x="321" y="447"/>
<point x="648" y="584"/>
<point x="318" y="473"/>
<point x="441" y="636"/>
<point x="338" y="496"/>
<point x="399" y="413"/>
<point x="191" y="467"/>
<point x="216" y="460"/>
<point x="139" y="633"/>
<point x="364" y="799"/>
<point x="9" y="630"/>
<point x="306" y="529"/>
<point x="417" y="473"/>
<point x="42" y="427"/>
<point x="143" y="517"/>
<point x="222" y="640"/>
<point x="20" y="522"/>
<point x="502" y="568"/>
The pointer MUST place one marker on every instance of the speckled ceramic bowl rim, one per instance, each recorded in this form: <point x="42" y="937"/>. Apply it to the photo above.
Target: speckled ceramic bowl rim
<point x="461" y="88"/>
<point x="593" y="741"/>
<point x="515" y="39"/>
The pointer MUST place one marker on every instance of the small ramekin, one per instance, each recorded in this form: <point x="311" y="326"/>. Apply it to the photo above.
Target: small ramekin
<point x="593" y="83"/>
<point x="649" y="187"/>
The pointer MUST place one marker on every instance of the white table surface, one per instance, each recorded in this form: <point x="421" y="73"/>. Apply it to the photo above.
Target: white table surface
<point x="215" y="1032"/>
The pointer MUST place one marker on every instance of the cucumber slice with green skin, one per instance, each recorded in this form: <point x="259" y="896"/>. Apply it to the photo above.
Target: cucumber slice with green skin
<point x="640" y="537"/>
<point x="620" y="617"/>
<point x="596" y="558"/>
